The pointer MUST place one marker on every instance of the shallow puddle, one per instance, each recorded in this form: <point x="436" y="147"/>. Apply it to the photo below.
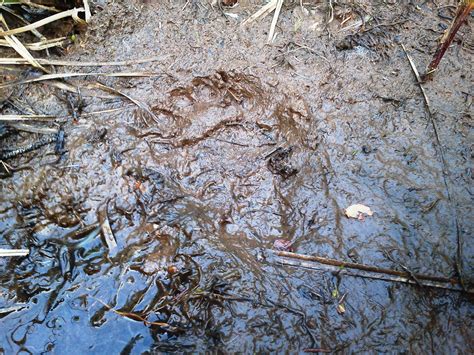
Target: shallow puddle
<point x="234" y="158"/>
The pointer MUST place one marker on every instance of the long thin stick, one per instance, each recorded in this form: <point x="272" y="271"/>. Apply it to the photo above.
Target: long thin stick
<point x="459" y="239"/>
<point x="26" y="118"/>
<point x="368" y="271"/>
<point x="44" y="61"/>
<point x="462" y="14"/>
<point x="73" y="75"/>
<point x="364" y="267"/>
<point x="419" y="81"/>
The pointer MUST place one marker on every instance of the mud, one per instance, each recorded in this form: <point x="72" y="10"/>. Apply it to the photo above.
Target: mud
<point x="246" y="146"/>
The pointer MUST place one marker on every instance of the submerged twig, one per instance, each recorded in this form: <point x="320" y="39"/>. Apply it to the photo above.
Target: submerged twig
<point x="459" y="240"/>
<point x="136" y="317"/>
<point x="367" y="271"/>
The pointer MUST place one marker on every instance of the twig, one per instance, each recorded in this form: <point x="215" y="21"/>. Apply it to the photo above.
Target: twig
<point x="459" y="240"/>
<point x="367" y="271"/>
<point x="463" y="11"/>
<point x="135" y="316"/>
<point x="420" y="83"/>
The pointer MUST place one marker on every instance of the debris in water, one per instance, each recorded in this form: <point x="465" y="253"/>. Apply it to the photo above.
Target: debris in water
<point x="14" y="252"/>
<point x="106" y="229"/>
<point x="341" y="309"/>
<point x="358" y="211"/>
<point x="282" y="244"/>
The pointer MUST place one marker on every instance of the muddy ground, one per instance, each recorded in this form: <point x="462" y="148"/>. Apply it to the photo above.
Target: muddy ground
<point x="250" y="144"/>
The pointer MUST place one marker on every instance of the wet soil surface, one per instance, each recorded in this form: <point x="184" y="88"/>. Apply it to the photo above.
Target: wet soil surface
<point x="246" y="147"/>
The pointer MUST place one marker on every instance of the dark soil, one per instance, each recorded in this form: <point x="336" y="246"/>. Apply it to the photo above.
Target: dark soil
<point x="250" y="144"/>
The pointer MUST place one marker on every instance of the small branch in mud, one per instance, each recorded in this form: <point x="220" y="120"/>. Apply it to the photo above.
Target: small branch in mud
<point x="462" y="13"/>
<point x="459" y="241"/>
<point x="419" y="82"/>
<point x="367" y="271"/>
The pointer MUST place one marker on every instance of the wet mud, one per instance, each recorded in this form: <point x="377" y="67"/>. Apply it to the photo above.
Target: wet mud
<point x="245" y="147"/>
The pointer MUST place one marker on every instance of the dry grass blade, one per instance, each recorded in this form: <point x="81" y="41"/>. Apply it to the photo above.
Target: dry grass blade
<point x="30" y="4"/>
<point x="72" y="75"/>
<point x="19" y="47"/>
<point x="140" y="104"/>
<point x="85" y="91"/>
<point x="14" y="252"/>
<point x="44" y="61"/>
<point x="33" y="129"/>
<point x="37" y="46"/>
<point x="274" y="21"/>
<point x="74" y="13"/>
<point x="87" y="10"/>
<point x="21" y="19"/>
<point x="26" y="118"/>
<point x="264" y="11"/>
<point x="459" y="236"/>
